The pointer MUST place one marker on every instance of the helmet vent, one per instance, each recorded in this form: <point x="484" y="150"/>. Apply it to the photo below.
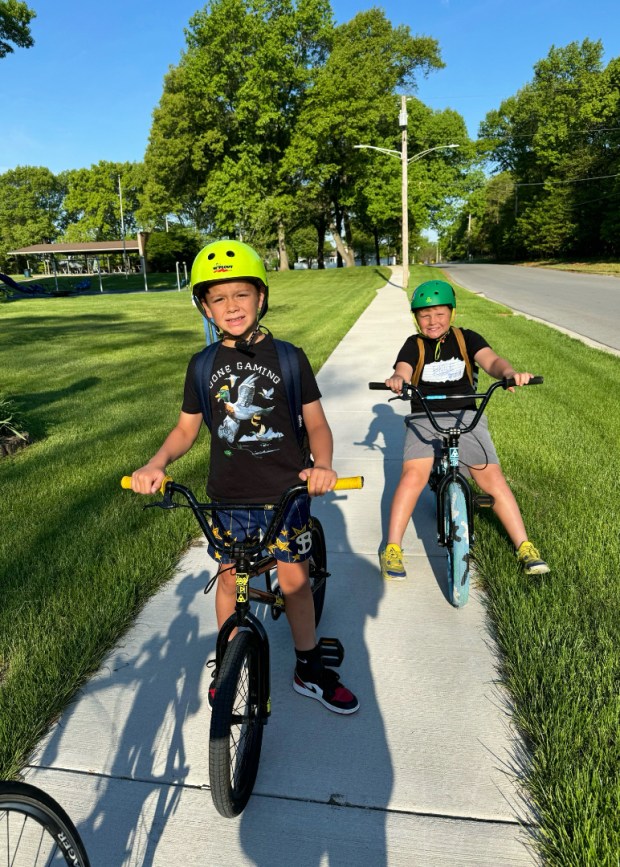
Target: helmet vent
<point x="230" y="253"/>
<point x="211" y="256"/>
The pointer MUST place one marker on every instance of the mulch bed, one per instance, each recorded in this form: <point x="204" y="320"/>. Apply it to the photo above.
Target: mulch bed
<point x="11" y="444"/>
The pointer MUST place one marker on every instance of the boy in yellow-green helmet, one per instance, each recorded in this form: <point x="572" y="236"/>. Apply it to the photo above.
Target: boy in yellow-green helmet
<point x="256" y="453"/>
<point x="449" y="366"/>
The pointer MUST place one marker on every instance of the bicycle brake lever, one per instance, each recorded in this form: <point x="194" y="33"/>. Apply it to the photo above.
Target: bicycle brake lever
<point x="166" y="503"/>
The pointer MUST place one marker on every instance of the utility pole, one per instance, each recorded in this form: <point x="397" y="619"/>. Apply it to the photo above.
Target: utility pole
<point x="402" y="122"/>
<point x="120" y="198"/>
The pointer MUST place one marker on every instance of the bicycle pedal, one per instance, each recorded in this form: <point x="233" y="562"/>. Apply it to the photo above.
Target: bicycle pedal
<point x="332" y="652"/>
<point x="484" y="501"/>
<point x="276" y="611"/>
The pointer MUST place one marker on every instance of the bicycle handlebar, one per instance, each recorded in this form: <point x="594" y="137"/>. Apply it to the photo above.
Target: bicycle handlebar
<point x="346" y="483"/>
<point x="251" y="547"/>
<point x="409" y="391"/>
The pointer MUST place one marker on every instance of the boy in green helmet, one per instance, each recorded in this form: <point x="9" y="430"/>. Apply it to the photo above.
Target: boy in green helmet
<point x="446" y="368"/>
<point x="255" y="451"/>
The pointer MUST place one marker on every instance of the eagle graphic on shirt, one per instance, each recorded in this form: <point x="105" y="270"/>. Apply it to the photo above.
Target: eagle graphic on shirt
<point x="245" y="409"/>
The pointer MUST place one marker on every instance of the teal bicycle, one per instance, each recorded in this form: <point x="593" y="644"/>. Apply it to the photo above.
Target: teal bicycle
<point x="455" y="497"/>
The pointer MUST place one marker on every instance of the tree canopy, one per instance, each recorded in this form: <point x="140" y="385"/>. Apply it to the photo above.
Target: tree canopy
<point x="15" y="18"/>
<point x="556" y="143"/>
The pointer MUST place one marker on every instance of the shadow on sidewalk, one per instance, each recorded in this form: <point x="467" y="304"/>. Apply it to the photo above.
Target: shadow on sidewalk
<point x="162" y="683"/>
<point x="338" y="763"/>
<point x="386" y="433"/>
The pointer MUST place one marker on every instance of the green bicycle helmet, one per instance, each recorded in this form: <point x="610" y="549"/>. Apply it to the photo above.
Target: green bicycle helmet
<point x="223" y="261"/>
<point x="433" y="293"/>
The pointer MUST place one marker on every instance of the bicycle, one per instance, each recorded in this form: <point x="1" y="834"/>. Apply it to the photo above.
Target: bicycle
<point x="241" y="703"/>
<point x="455" y="498"/>
<point x="34" y="829"/>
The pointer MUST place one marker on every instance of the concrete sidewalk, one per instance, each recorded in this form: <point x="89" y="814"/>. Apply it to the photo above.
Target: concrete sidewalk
<point x="422" y="775"/>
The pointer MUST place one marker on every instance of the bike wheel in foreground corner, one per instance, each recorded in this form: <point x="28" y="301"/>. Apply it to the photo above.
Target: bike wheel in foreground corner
<point x="236" y="734"/>
<point x="318" y="569"/>
<point x="35" y="830"/>
<point x="457" y="544"/>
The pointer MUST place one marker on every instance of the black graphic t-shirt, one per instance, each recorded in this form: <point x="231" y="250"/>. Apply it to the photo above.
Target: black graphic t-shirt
<point x="446" y="374"/>
<point x="255" y="455"/>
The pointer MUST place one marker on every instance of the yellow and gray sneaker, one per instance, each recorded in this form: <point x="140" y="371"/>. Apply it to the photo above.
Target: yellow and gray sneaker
<point x="391" y="559"/>
<point x="530" y="559"/>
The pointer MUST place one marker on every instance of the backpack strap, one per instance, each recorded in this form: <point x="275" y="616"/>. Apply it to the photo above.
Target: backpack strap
<point x="460" y="339"/>
<point x="291" y="373"/>
<point x="417" y="373"/>
<point x="458" y="333"/>
<point x="202" y="375"/>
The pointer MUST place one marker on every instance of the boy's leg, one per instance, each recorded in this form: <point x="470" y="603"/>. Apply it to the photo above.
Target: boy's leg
<point x="294" y="580"/>
<point x="225" y="593"/>
<point x="414" y="477"/>
<point x="492" y="481"/>
<point x="311" y="678"/>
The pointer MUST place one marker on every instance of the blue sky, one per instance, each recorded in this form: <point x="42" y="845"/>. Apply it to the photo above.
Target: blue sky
<point x="86" y="91"/>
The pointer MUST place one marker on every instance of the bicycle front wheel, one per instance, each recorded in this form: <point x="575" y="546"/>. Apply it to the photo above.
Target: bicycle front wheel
<point x="457" y="543"/>
<point x="236" y="733"/>
<point x="35" y="830"/>
<point x="318" y="569"/>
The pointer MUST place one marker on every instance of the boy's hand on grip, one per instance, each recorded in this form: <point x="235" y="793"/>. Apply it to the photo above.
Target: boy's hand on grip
<point x="148" y="479"/>
<point x="320" y="480"/>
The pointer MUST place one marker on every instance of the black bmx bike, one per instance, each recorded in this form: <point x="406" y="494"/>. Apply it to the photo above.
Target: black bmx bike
<point x="35" y="830"/>
<point x="455" y="497"/>
<point x="241" y="703"/>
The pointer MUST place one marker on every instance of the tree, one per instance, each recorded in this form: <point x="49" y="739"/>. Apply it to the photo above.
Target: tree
<point x="558" y="137"/>
<point x="30" y="208"/>
<point x="92" y="205"/>
<point x="226" y="116"/>
<point x="15" y="18"/>
<point x="352" y="102"/>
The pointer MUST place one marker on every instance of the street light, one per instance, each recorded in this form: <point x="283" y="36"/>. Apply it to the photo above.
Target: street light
<point x="402" y="156"/>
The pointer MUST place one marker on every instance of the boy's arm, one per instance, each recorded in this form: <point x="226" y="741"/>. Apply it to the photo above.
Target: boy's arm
<point x="402" y="373"/>
<point x="498" y="367"/>
<point x="322" y="477"/>
<point x="148" y="479"/>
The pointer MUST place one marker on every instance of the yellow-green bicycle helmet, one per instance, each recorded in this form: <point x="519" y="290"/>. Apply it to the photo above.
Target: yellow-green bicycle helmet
<point x="222" y="261"/>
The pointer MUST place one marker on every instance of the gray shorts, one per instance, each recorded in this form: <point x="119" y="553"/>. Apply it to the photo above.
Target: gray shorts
<point x="475" y="449"/>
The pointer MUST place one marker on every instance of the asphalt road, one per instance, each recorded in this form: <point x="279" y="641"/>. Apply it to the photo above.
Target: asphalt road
<point x="584" y="304"/>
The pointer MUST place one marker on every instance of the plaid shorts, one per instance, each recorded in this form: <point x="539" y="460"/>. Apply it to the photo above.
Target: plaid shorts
<point x="293" y="543"/>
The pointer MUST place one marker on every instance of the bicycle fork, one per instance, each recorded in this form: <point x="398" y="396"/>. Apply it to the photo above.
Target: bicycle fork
<point x="242" y="618"/>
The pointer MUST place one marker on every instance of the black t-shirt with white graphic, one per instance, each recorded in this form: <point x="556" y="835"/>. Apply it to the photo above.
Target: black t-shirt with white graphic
<point x="255" y="455"/>
<point x="446" y="374"/>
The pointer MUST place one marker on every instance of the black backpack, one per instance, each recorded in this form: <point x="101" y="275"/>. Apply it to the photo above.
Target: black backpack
<point x="291" y="373"/>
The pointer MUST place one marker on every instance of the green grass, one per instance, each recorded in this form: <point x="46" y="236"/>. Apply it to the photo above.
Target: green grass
<point x="98" y="380"/>
<point x="559" y="636"/>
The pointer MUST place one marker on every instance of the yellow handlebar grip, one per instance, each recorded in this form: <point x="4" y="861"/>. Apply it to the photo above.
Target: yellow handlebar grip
<point x="165" y="480"/>
<point x="349" y="483"/>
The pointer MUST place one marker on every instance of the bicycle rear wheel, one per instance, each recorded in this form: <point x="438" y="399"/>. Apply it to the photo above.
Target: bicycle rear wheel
<point x="236" y="734"/>
<point x="318" y="569"/>
<point x="457" y="543"/>
<point x="35" y="830"/>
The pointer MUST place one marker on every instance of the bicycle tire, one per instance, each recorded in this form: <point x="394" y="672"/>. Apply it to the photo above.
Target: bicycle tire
<point x="457" y="544"/>
<point x="35" y="830"/>
<point x="318" y="569"/>
<point x="236" y="733"/>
